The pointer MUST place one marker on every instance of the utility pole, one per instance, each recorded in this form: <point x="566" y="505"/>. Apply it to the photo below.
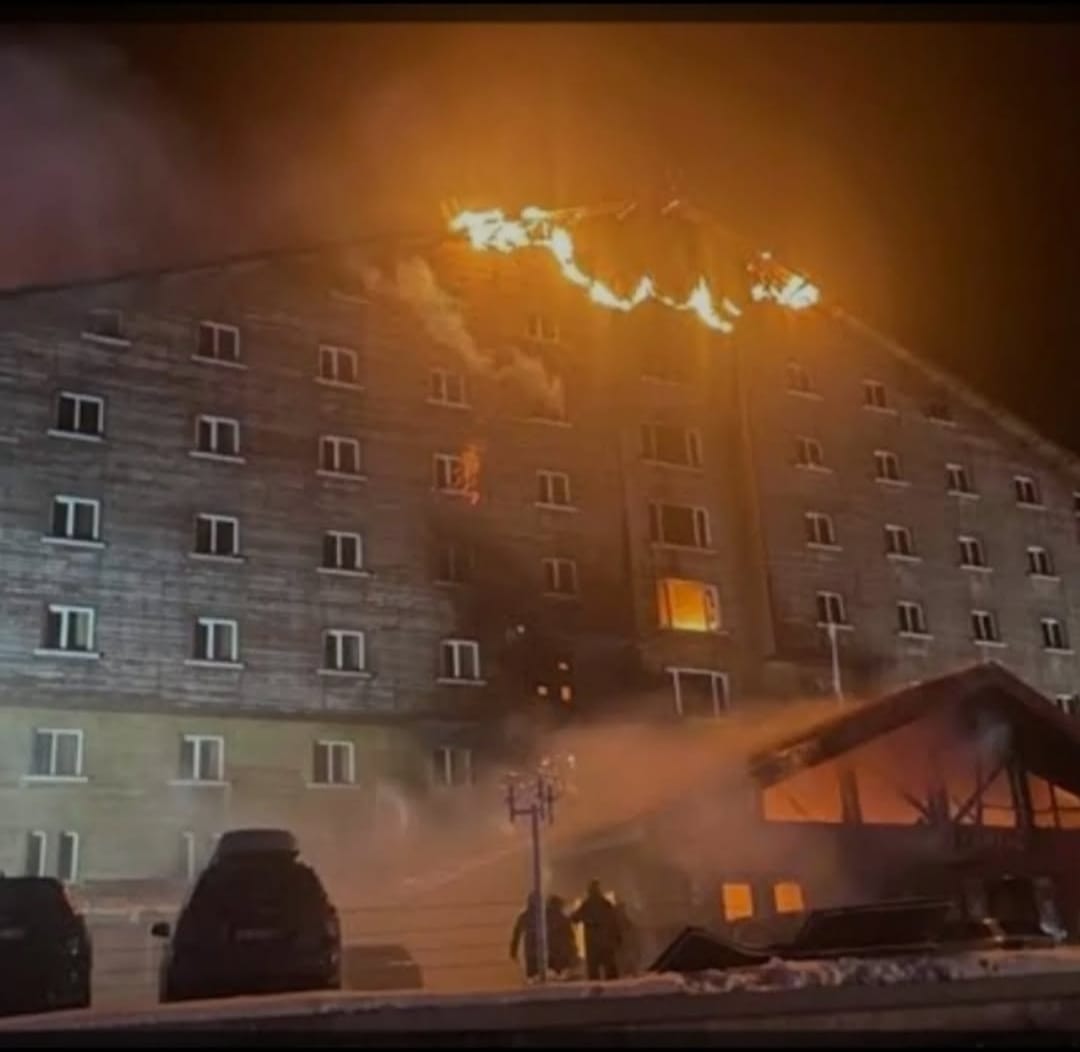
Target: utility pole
<point x="534" y="797"/>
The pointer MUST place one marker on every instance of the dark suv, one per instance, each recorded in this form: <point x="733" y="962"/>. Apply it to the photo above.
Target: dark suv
<point x="258" y="921"/>
<point x="45" y="952"/>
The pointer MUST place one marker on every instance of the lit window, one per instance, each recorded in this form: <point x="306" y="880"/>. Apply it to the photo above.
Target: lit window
<point x="738" y="901"/>
<point x="667" y="444"/>
<point x="874" y="395"/>
<point x="699" y="693"/>
<point x="451" y="767"/>
<point x="459" y="660"/>
<point x="553" y="489"/>
<point x="1040" y="563"/>
<point x="911" y="617"/>
<point x="218" y="342"/>
<point x="820" y="530"/>
<point x="76" y="519"/>
<point x="972" y="554"/>
<point x="808" y="453"/>
<point x="887" y="466"/>
<point x="340" y="456"/>
<point x="830" y="609"/>
<point x="217" y="535"/>
<point x="344" y="650"/>
<point x="898" y="541"/>
<point x="202" y="758"/>
<point x="217" y="436"/>
<point x="1054" y="635"/>
<point x="957" y="479"/>
<point x="339" y="365"/>
<point x="342" y="551"/>
<point x="679" y="525"/>
<point x="57" y="754"/>
<point x="80" y="415"/>
<point x="1027" y="491"/>
<point x="70" y="629"/>
<point x="217" y="640"/>
<point x="560" y="576"/>
<point x="447" y="388"/>
<point x="798" y="379"/>
<point x="984" y="626"/>
<point x="689" y="606"/>
<point x="788" y="897"/>
<point x="333" y="763"/>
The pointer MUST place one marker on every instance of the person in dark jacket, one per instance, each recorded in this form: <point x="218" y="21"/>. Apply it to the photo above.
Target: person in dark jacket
<point x="525" y="928"/>
<point x="601" y="933"/>
<point x="562" y="949"/>
<point x="628" y="955"/>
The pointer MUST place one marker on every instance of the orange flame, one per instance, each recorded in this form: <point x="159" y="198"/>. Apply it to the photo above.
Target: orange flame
<point x="536" y="228"/>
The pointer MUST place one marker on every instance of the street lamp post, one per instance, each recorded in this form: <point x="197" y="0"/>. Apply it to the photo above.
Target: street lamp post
<point x="534" y="797"/>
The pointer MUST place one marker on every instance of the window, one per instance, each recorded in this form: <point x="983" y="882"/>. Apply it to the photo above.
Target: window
<point x="67" y="857"/>
<point x="76" y="519"/>
<point x="887" y="466"/>
<point x="340" y="456"/>
<point x="189" y="855"/>
<point x="105" y="324"/>
<point x="217" y="436"/>
<point x="70" y="628"/>
<point x="339" y="365"/>
<point x="452" y="767"/>
<point x="1040" y="563"/>
<point x="36" y="853"/>
<point x="957" y="479"/>
<point x="447" y="388"/>
<point x="555" y="679"/>
<point x="874" y="395"/>
<point x="459" y="660"/>
<point x="218" y="343"/>
<point x="819" y="529"/>
<point x="332" y="763"/>
<point x="57" y="754"/>
<point x="343" y="551"/>
<point x="808" y="453"/>
<point x="1068" y="703"/>
<point x="898" y="541"/>
<point x="453" y="563"/>
<point x="798" y="379"/>
<point x="217" y="535"/>
<point x="984" y="626"/>
<point x="1054" y="635"/>
<point x="660" y="361"/>
<point x="79" y="414"/>
<point x="788" y="897"/>
<point x="202" y="758"/>
<point x="940" y="412"/>
<point x="972" y="554"/>
<point x="830" y="609"/>
<point x="1027" y="491"/>
<point x="449" y="473"/>
<point x="560" y="576"/>
<point x="217" y="639"/>
<point x="344" y="650"/>
<point x="699" y="692"/>
<point x="679" y="525"/>
<point x="689" y="606"/>
<point x="542" y="328"/>
<point x="912" y="618"/>
<point x="738" y="901"/>
<point x="553" y="489"/>
<point x="666" y="444"/>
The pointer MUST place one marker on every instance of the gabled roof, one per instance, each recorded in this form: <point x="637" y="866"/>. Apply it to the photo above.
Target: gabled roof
<point x="1047" y="739"/>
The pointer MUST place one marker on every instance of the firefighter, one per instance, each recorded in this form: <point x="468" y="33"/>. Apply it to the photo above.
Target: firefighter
<point x="629" y="949"/>
<point x="562" y="950"/>
<point x="601" y="924"/>
<point x="525" y="927"/>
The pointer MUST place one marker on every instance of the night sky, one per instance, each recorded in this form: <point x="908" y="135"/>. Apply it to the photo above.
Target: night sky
<point x="925" y="176"/>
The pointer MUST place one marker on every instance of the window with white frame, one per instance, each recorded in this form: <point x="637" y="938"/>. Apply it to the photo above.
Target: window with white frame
<point x="560" y="576"/>
<point x="454" y="562"/>
<point x="57" y="753"/>
<point x="339" y="365"/>
<point x="899" y="541"/>
<point x="984" y="626"/>
<point x="449" y="473"/>
<point x="1068" y="703"/>
<point x="798" y="379"/>
<point x="972" y="553"/>
<point x="1027" y="491"/>
<point x="217" y="436"/>
<point x="1040" y="562"/>
<point x="452" y="766"/>
<point x="218" y="342"/>
<point x="202" y="758"/>
<point x="69" y="628"/>
<point x="67" y="857"/>
<point x="217" y="535"/>
<point x="344" y="650"/>
<point x="699" y="693"/>
<point x="333" y="763"/>
<point x="830" y="609"/>
<point x="80" y="414"/>
<point x="958" y="479"/>
<point x="886" y="466"/>
<point x="679" y="525"/>
<point x="217" y="639"/>
<point x="688" y="606"/>
<point x="911" y="617"/>
<point x="447" y="388"/>
<point x="875" y="395"/>
<point x="37" y="854"/>
<point x="553" y="489"/>
<point x="105" y="324"/>
<point x="819" y="528"/>
<point x="542" y="328"/>
<point x="1054" y="635"/>
<point x="808" y="453"/>
<point x="343" y="551"/>
<point x="339" y="455"/>
<point x="670" y="444"/>
<point x="76" y="518"/>
<point x="459" y="659"/>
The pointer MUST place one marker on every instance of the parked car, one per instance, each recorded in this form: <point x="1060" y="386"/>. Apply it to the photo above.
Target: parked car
<point x="258" y="921"/>
<point x="380" y="967"/>
<point x="45" y="949"/>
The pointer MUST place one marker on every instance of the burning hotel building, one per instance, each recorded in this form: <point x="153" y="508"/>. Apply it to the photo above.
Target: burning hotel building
<point x="291" y="540"/>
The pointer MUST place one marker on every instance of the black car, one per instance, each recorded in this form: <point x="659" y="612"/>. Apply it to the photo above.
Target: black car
<point x="258" y="921"/>
<point x="45" y="951"/>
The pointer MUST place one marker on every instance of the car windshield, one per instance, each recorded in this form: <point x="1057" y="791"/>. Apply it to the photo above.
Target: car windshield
<point x="31" y="899"/>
